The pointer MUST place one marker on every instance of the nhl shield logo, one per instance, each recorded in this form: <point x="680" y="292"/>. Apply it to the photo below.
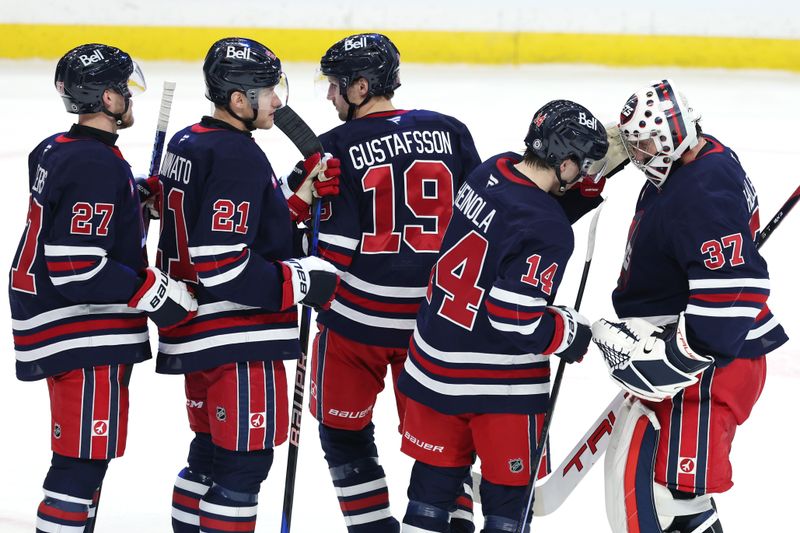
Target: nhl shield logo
<point x="515" y="465"/>
<point x="221" y="414"/>
<point x="57" y="430"/>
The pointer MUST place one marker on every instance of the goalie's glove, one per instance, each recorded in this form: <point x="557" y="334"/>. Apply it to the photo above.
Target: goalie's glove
<point x="615" y="160"/>
<point x="572" y="334"/>
<point x="649" y="361"/>
<point x="315" y="176"/>
<point x="149" y="189"/>
<point x="167" y="302"/>
<point x="310" y="281"/>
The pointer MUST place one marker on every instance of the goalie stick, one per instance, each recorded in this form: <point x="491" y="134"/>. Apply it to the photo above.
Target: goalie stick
<point x="308" y="143"/>
<point x="555" y="489"/>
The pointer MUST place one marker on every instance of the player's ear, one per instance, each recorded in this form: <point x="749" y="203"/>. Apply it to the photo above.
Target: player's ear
<point x="237" y="100"/>
<point x="362" y="85"/>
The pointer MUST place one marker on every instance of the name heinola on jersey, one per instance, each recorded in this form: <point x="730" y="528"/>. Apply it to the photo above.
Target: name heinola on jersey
<point x="472" y="205"/>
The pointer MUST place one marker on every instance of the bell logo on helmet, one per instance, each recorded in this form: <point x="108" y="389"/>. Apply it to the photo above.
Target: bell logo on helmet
<point x="234" y="53"/>
<point x="354" y="44"/>
<point x="588" y="122"/>
<point x="94" y="57"/>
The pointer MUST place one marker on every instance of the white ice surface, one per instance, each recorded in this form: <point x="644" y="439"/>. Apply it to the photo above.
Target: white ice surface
<point x="753" y="112"/>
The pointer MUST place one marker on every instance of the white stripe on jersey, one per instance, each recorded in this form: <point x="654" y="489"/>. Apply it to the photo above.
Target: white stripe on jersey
<point x="657" y="320"/>
<point x="191" y="486"/>
<point x="737" y="311"/>
<point x="74" y="310"/>
<point x="527" y="329"/>
<point x="365" y="518"/>
<point x="63" y="280"/>
<point x="516" y="298"/>
<point x="81" y="342"/>
<point x="225" y="510"/>
<point x="221" y="307"/>
<point x="186" y="518"/>
<point x="371" y="320"/>
<point x="383" y="290"/>
<point x="339" y="240"/>
<point x="481" y="358"/>
<point x="66" y="497"/>
<point x="281" y="334"/>
<point x="361" y="488"/>
<point x="763" y="329"/>
<point x="760" y="283"/>
<point x="222" y="278"/>
<point x="55" y="250"/>
<point x="202" y="251"/>
<point x="473" y="389"/>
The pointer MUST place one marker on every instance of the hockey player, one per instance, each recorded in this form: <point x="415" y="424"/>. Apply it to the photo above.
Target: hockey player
<point x="477" y="373"/>
<point x="694" y="323"/>
<point x="79" y="288"/>
<point x="400" y="171"/>
<point x="227" y="232"/>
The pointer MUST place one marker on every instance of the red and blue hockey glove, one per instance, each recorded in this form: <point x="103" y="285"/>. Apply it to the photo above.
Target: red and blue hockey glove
<point x="149" y="189"/>
<point x="572" y="334"/>
<point x="167" y="302"/>
<point x="315" y="176"/>
<point x="310" y="281"/>
<point x="590" y="189"/>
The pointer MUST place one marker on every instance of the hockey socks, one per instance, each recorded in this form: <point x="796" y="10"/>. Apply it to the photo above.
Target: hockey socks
<point x="364" y="497"/>
<point x="223" y="510"/>
<point x="62" y="513"/>
<point x="461" y="520"/>
<point x="69" y="491"/>
<point x="189" y="489"/>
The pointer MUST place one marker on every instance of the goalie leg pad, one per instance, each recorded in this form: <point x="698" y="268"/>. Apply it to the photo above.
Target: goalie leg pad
<point x="629" y="466"/>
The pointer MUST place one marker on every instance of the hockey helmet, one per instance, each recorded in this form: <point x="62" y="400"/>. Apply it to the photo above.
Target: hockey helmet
<point x="371" y="56"/>
<point x="244" y="65"/>
<point x="84" y="73"/>
<point x="562" y="130"/>
<point x="657" y="126"/>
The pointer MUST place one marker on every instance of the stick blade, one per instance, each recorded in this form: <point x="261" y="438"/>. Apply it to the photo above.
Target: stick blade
<point x="297" y="131"/>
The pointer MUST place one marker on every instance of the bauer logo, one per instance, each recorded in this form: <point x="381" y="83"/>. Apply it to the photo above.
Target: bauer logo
<point x="237" y="53"/>
<point x="627" y="111"/>
<point x="354" y="44"/>
<point x="92" y="58"/>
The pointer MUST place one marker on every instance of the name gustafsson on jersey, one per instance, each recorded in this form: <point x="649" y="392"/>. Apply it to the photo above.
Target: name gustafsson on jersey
<point x="379" y="150"/>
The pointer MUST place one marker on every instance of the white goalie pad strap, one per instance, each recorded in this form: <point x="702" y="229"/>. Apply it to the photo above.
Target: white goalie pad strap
<point x="629" y="463"/>
<point x="668" y="507"/>
<point x="651" y="362"/>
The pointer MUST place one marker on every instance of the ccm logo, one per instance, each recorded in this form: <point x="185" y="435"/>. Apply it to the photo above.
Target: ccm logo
<point x="235" y="53"/>
<point x="96" y="56"/>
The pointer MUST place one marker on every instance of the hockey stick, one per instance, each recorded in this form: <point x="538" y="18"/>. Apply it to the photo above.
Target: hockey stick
<point x="778" y="218"/>
<point x="167" y="94"/>
<point x="548" y="416"/>
<point x="308" y="143"/>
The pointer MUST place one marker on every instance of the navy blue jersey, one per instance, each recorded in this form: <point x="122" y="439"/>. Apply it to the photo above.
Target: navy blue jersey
<point x="483" y="333"/>
<point x="78" y="260"/>
<point x="400" y="171"/>
<point x="691" y="247"/>
<point x="224" y="226"/>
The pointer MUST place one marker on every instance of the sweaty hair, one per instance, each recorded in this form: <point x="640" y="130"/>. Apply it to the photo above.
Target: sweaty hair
<point x="531" y="159"/>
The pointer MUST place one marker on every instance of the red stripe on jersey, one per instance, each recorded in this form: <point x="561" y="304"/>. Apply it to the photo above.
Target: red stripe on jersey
<point x="197" y="128"/>
<point x="80" y="327"/>
<point x="470" y="373"/>
<point x="504" y="165"/>
<point x="755" y="223"/>
<point x="335" y="257"/>
<point x="54" y="512"/>
<point x="206" y="522"/>
<point x="375" y="306"/>
<point x="62" y="266"/>
<point x="558" y="334"/>
<point x="381" y="498"/>
<point x="464" y="501"/>
<point x="186" y="501"/>
<point x="64" y="139"/>
<point x="741" y="297"/>
<point x="502" y="312"/>
<point x="207" y="266"/>
<point x="631" y="509"/>
<point x="764" y="312"/>
<point x="231" y="322"/>
<point x="392" y="113"/>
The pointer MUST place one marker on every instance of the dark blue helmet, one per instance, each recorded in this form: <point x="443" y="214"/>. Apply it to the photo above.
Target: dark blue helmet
<point x="561" y="130"/>
<point x="371" y="56"/>
<point x="85" y="72"/>
<point x="237" y="64"/>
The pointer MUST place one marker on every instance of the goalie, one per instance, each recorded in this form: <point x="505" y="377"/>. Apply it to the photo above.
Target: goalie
<point x="691" y="347"/>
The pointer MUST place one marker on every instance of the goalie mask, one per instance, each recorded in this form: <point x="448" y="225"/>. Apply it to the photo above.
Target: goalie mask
<point x="649" y="361"/>
<point x="657" y="126"/>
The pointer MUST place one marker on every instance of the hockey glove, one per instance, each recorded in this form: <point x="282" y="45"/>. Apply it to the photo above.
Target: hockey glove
<point x="310" y="281"/>
<point x="648" y="361"/>
<point x="315" y="176"/>
<point x="168" y="302"/>
<point x="149" y="189"/>
<point x="615" y="160"/>
<point x="572" y="334"/>
<point x="591" y="189"/>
